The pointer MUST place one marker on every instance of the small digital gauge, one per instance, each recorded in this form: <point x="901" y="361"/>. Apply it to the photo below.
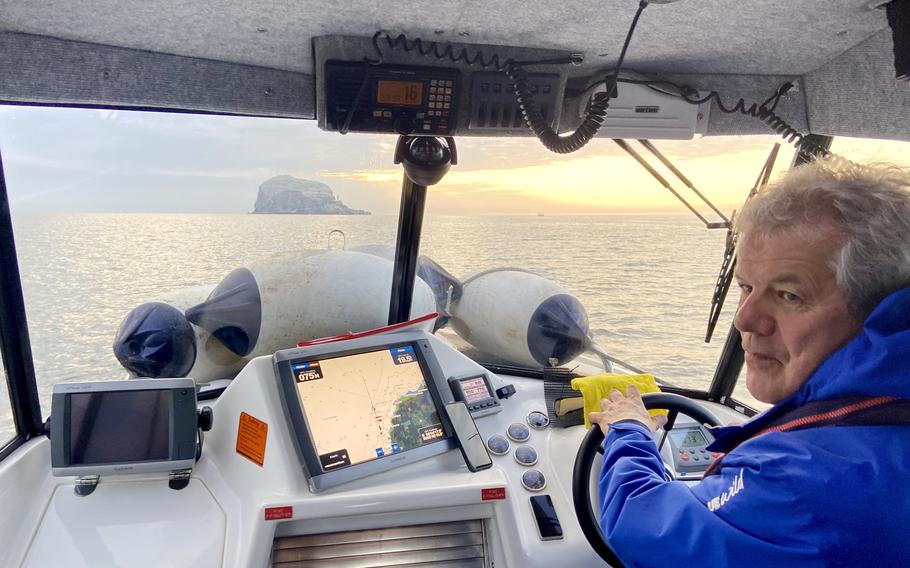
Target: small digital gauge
<point x="533" y="480"/>
<point x="518" y="432"/>
<point x="477" y="393"/>
<point x="538" y="420"/>
<point x="692" y="439"/>
<point x="689" y="446"/>
<point x="402" y="93"/>
<point x="498" y="444"/>
<point x="526" y="455"/>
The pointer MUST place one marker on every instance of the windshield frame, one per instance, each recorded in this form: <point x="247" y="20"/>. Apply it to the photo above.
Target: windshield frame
<point x="15" y="345"/>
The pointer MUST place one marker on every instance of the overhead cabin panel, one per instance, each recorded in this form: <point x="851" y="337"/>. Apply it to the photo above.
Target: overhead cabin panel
<point x="856" y="94"/>
<point x="42" y="70"/>
<point x="689" y="36"/>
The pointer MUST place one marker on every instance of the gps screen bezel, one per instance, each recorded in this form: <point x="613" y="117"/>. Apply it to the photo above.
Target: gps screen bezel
<point x="181" y="425"/>
<point x="294" y="408"/>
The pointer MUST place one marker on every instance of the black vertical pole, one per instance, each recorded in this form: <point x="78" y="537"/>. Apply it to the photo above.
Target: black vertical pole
<point x="728" y="367"/>
<point x="407" y="247"/>
<point x="14" y="343"/>
<point x="898" y="12"/>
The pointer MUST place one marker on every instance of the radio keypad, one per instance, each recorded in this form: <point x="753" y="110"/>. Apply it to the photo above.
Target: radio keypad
<point x="440" y="97"/>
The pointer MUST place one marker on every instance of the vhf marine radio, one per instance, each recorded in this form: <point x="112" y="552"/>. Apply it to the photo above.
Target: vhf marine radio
<point x="392" y="99"/>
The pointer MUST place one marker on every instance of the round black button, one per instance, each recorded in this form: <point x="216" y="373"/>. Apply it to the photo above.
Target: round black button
<point x="533" y="480"/>
<point x="525" y="455"/>
<point x="538" y="420"/>
<point x="518" y="432"/>
<point x="498" y="444"/>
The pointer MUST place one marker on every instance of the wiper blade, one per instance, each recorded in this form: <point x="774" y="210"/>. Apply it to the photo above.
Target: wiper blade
<point x="560" y="374"/>
<point x="725" y="275"/>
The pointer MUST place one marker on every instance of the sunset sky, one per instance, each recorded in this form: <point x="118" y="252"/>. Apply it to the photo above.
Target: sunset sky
<point x="59" y="160"/>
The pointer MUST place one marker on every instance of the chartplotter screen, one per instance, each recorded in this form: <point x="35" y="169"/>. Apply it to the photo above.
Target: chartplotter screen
<point x="363" y="406"/>
<point x="366" y="406"/>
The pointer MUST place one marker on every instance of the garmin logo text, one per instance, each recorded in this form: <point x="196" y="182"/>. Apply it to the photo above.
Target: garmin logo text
<point x="721" y="500"/>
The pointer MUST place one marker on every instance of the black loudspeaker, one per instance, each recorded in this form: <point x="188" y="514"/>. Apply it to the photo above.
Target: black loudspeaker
<point x="899" y="19"/>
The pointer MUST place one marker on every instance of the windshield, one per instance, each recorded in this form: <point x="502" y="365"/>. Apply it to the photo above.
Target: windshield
<point x="116" y="210"/>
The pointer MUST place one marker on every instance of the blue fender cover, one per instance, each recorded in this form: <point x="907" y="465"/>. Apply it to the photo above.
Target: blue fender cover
<point x="232" y="312"/>
<point x="558" y="329"/>
<point x="155" y="340"/>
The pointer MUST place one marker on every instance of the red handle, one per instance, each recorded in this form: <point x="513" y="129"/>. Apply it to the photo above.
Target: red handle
<point x="378" y="330"/>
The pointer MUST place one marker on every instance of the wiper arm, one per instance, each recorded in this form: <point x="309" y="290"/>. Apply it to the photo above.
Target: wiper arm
<point x="725" y="275"/>
<point x="724" y="224"/>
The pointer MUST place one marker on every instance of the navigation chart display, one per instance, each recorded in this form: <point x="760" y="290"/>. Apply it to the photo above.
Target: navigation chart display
<point x="366" y="406"/>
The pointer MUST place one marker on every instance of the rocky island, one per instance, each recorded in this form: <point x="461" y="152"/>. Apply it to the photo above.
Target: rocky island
<point x="294" y="196"/>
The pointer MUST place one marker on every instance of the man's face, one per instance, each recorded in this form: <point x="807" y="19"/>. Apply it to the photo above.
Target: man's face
<point x="791" y="314"/>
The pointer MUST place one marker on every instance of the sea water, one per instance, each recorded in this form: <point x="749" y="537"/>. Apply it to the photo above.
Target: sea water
<point x="645" y="281"/>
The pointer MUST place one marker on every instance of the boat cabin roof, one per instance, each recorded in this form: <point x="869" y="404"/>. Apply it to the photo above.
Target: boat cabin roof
<point x="265" y="58"/>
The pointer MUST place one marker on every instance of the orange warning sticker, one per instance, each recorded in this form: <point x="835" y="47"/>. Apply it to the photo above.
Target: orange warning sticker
<point x="251" y="436"/>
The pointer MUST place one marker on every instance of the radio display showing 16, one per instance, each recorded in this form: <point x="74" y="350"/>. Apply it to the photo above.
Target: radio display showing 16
<point x="403" y="93"/>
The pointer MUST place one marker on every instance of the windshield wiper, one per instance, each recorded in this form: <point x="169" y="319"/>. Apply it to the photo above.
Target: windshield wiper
<point x="725" y="275"/>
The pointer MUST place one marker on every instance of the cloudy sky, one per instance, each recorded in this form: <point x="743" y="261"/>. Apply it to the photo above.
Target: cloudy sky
<point x="70" y="160"/>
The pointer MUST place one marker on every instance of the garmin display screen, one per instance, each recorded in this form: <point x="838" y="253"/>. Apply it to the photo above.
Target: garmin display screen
<point x="366" y="406"/>
<point x="126" y="426"/>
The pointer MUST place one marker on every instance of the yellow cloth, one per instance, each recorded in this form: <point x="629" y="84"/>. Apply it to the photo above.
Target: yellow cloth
<point x="597" y="387"/>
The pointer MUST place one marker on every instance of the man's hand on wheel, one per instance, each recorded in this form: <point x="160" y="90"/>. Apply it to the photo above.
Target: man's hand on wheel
<point x="628" y="407"/>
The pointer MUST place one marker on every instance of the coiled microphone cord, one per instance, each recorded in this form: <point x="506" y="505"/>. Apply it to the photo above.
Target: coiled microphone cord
<point x="765" y="113"/>
<point x="514" y="70"/>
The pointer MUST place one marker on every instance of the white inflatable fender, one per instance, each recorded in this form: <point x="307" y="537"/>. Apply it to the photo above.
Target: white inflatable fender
<point x="299" y="299"/>
<point x="522" y="317"/>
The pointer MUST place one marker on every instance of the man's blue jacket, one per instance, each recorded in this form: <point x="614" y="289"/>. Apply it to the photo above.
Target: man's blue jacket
<point x="823" y="496"/>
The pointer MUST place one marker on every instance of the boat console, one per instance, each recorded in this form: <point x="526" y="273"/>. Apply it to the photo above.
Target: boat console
<point x="345" y="454"/>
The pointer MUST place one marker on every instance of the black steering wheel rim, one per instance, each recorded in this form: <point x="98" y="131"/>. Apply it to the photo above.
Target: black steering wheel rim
<point x="584" y="461"/>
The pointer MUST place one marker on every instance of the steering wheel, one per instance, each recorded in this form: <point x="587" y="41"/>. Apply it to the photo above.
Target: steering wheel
<point x="581" y="476"/>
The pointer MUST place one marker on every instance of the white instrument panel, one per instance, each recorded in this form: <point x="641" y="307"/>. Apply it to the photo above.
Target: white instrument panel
<point x="274" y="499"/>
<point x="249" y="488"/>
